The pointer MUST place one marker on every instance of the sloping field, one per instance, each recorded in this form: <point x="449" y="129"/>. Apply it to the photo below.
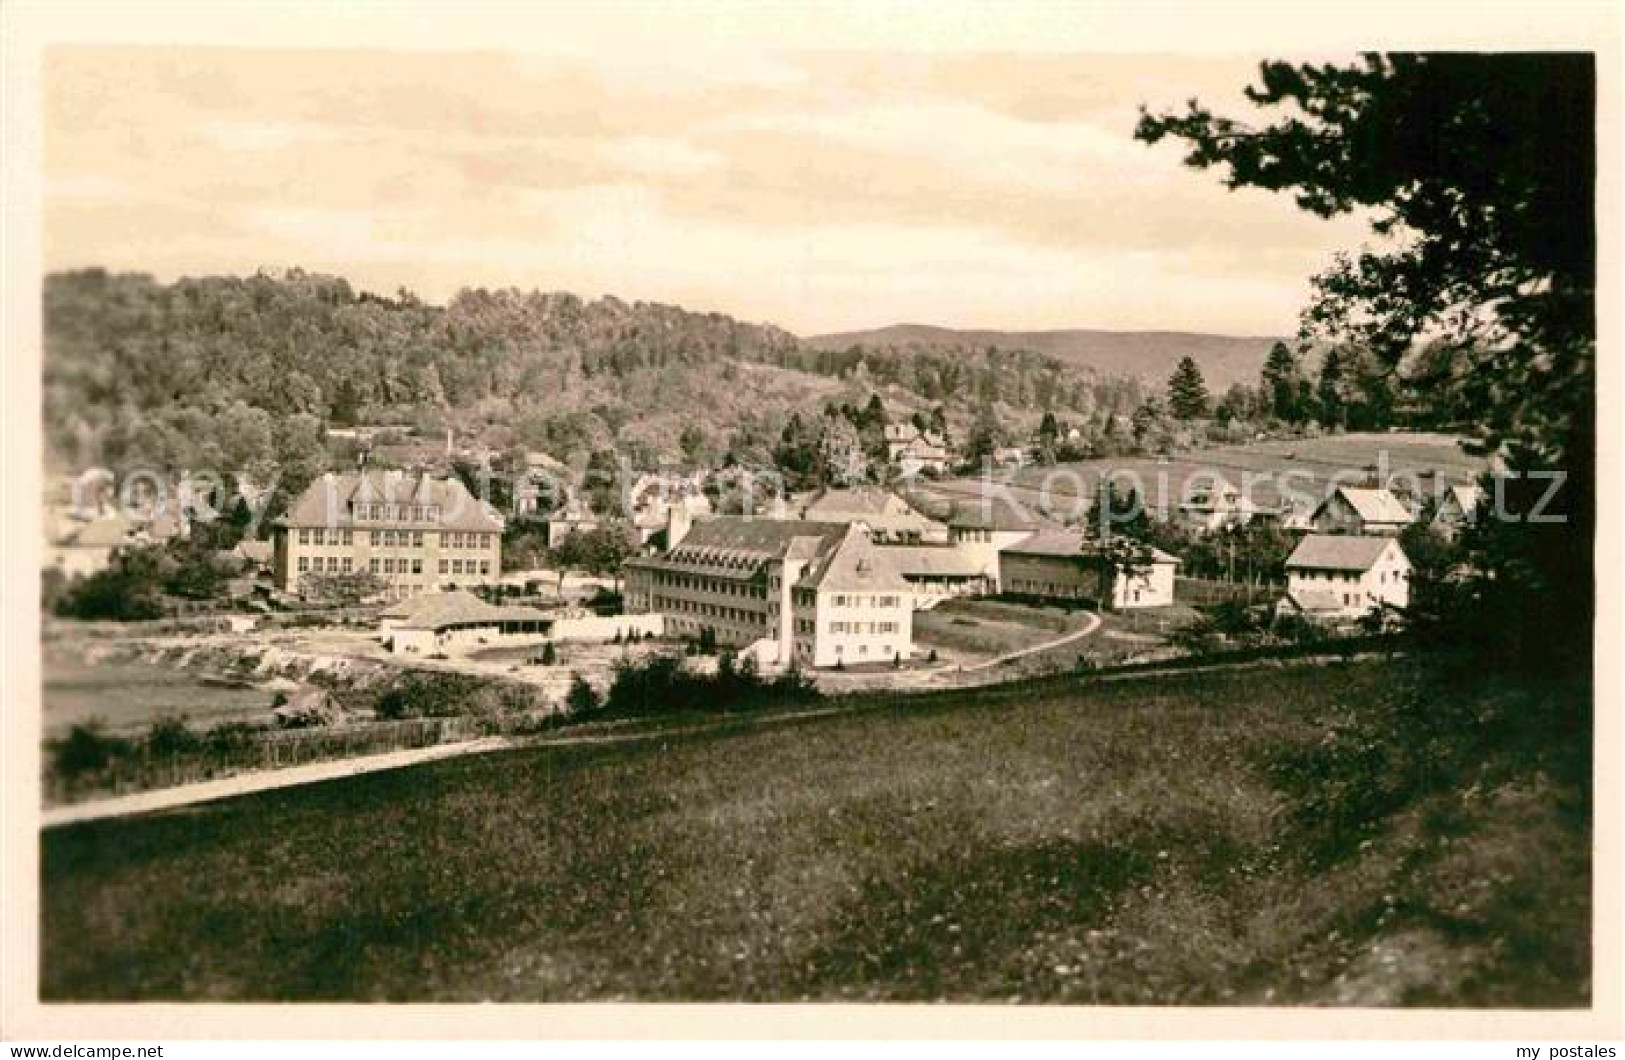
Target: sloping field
<point x="1267" y="471"/>
<point x="1049" y="841"/>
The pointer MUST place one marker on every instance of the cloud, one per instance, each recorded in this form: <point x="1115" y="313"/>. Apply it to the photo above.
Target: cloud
<point x="820" y="190"/>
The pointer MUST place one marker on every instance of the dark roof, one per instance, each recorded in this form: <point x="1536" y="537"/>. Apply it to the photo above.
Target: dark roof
<point x="854" y="564"/>
<point x="1068" y="543"/>
<point x="326" y="502"/>
<point x="935" y="561"/>
<point x="766" y="537"/>
<point x="1339" y="552"/>
<point x="457" y="608"/>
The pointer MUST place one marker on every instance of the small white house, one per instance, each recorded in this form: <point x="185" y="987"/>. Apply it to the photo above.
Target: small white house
<point x="1214" y="506"/>
<point x="1361" y="510"/>
<point x="1340" y="576"/>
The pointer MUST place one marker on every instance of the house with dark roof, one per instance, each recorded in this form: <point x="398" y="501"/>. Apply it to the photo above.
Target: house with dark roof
<point x="888" y="518"/>
<point x="415" y="532"/>
<point x="1360" y="510"/>
<point x="1067" y="565"/>
<point x="808" y="592"/>
<point x="1337" y="577"/>
<point x="1458" y="508"/>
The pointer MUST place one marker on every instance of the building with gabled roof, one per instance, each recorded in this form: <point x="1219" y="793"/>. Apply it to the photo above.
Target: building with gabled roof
<point x="888" y="518"/>
<point x="415" y="532"/>
<point x="807" y="592"/>
<point x="1343" y="576"/>
<point x="1360" y="510"/>
<point x="912" y="450"/>
<point x="937" y="572"/>
<point x="1457" y="508"/>
<point x="981" y="528"/>
<point x="1068" y="565"/>
<point x="1215" y="505"/>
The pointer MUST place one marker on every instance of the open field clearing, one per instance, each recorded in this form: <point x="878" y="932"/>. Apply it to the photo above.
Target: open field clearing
<point x="1273" y="468"/>
<point x="971" y="631"/>
<point x="129" y="696"/>
<point x="1149" y="842"/>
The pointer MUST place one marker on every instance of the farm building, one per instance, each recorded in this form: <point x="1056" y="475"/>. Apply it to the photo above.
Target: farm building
<point x="1360" y="510"/>
<point x="1064" y="565"/>
<point x="1341" y="576"/>
<point x="1458" y="508"/>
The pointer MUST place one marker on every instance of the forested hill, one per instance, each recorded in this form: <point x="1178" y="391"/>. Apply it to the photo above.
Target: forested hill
<point x="196" y="371"/>
<point x="1149" y="355"/>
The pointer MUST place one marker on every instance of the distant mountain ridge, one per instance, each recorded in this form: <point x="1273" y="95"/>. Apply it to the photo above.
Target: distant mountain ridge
<point x="1149" y="355"/>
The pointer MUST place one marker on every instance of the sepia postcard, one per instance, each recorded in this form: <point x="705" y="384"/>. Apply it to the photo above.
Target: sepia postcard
<point x="1093" y="518"/>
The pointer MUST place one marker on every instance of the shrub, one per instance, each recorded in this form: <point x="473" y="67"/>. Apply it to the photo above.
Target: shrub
<point x="582" y="698"/>
<point x="932" y="657"/>
<point x="662" y="684"/>
<point x="171" y="736"/>
<point x="415" y="695"/>
<point x="86" y="749"/>
<point x="550" y="655"/>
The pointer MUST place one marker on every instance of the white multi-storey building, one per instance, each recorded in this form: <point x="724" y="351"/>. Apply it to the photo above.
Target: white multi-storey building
<point x="1341" y="576"/>
<point x="788" y="591"/>
<point x="416" y="533"/>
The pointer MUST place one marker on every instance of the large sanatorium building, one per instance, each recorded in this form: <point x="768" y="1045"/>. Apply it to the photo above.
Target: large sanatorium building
<point x="417" y="534"/>
<point x="812" y="593"/>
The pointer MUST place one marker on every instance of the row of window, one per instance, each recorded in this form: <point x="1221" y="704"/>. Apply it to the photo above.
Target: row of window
<point x="718" y="586"/>
<point x="417" y="513"/>
<point x="1028" y="587"/>
<point x="395" y="538"/>
<point x="729" y="614"/>
<point x="863" y="627"/>
<point x="324" y="537"/>
<point x="332" y="565"/>
<point x="843" y="600"/>
<point x="1313" y="575"/>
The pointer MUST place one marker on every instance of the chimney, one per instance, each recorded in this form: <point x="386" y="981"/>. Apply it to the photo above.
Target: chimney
<point x="678" y="521"/>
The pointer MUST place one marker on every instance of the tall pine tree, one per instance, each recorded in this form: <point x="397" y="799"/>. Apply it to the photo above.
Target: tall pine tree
<point x="1280" y="383"/>
<point x="1333" y="408"/>
<point x="1187" y="391"/>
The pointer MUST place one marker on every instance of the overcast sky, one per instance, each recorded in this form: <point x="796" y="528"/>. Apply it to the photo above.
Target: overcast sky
<point x="822" y="191"/>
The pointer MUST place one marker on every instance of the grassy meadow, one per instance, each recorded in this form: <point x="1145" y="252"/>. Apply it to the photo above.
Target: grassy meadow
<point x="1136" y="842"/>
<point x="1312" y="463"/>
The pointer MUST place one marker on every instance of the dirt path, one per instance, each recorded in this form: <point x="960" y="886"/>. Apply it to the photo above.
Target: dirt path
<point x="247" y="783"/>
<point x="1089" y="627"/>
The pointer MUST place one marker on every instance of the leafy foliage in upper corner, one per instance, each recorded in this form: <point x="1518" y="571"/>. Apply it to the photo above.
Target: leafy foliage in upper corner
<point x="1478" y="171"/>
<point x="1481" y="168"/>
